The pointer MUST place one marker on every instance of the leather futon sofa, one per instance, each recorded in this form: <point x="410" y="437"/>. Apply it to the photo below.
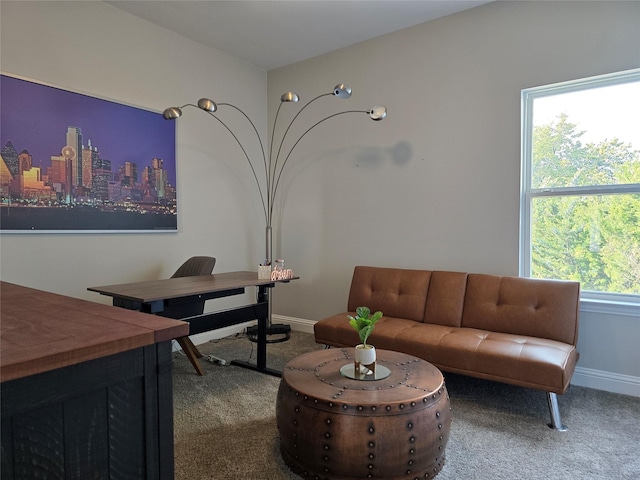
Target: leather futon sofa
<point x="514" y="330"/>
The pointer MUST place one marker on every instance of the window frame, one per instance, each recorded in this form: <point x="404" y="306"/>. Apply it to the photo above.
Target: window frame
<point x="600" y="302"/>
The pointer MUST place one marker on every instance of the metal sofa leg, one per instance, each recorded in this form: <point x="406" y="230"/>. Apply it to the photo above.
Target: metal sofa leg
<point x="327" y="347"/>
<point x="556" y="422"/>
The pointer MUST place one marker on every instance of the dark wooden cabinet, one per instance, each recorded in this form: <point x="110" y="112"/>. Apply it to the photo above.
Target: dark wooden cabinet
<point x="109" y="417"/>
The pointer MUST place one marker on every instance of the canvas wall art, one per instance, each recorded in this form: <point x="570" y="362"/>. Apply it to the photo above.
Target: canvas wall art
<point x="76" y="163"/>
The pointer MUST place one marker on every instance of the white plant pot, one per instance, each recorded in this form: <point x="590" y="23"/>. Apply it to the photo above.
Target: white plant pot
<point x="365" y="359"/>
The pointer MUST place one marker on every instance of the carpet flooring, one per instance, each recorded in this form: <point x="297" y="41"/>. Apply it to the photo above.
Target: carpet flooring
<point x="225" y="426"/>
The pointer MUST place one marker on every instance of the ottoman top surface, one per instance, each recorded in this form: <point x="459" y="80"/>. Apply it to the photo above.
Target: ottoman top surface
<point x="412" y="383"/>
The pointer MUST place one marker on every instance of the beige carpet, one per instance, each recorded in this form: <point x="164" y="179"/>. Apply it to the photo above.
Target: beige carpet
<point x="225" y="425"/>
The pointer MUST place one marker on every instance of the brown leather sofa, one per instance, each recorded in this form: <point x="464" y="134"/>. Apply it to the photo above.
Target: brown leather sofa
<point x="514" y="330"/>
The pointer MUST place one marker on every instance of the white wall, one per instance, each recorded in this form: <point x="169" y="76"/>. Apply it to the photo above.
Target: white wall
<point x="436" y="184"/>
<point x="114" y="55"/>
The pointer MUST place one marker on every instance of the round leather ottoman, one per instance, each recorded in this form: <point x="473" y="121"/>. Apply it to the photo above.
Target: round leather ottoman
<point x="335" y="427"/>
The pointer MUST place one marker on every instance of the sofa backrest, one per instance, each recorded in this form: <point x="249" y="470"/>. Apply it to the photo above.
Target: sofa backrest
<point x="445" y="299"/>
<point x="522" y="306"/>
<point x="395" y="292"/>
<point x="516" y="305"/>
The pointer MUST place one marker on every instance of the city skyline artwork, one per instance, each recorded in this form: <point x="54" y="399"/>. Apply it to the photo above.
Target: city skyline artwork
<point x="73" y="162"/>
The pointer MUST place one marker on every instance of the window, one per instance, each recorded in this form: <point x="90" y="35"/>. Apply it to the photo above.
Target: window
<point x="580" y="191"/>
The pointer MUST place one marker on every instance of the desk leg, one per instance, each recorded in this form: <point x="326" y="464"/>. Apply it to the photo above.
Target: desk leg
<point x="192" y="353"/>
<point x="263" y="296"/>
<point x="189" y="349"/>
<point x="261" y="361"/>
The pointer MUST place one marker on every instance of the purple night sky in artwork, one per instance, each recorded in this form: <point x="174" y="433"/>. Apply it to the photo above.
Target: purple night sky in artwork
<point x="35" y="117"/>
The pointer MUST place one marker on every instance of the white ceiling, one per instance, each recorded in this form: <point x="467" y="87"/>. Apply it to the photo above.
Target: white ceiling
<point x="275" y="33"/>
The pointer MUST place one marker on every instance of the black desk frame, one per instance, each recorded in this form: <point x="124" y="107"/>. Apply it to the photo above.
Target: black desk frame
<point x="211" y="321"/>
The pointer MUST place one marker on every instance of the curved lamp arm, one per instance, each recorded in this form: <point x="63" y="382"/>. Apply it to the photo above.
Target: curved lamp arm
<point x="264" y="157"/>
<point x="341" y="91"/>
<point x="209" y="106"/>
<point x="288" y="97"/>
<point x="272" y="172"/>
<point x="253" y="170"/>
<point x="376" y="113"/>
<point x="289" y="126"/>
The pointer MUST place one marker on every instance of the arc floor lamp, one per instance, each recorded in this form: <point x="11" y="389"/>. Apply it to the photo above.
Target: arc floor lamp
<point x="267" y="171"/>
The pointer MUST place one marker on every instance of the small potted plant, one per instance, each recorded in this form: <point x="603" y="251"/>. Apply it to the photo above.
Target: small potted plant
<point x="365" y="354"/>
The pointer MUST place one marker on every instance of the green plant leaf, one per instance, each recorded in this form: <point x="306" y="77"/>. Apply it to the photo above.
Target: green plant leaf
<point x="364" y="322"/>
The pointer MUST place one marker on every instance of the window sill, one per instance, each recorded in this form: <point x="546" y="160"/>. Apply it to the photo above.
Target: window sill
<point x="610" y="307"/>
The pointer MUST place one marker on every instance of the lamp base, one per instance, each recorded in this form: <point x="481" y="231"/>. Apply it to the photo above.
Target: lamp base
<point x="274" y="329"/>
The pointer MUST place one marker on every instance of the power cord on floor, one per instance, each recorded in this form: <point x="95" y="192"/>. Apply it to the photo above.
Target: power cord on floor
<point x="214" y="359"/>
<point x="218" y="360"/>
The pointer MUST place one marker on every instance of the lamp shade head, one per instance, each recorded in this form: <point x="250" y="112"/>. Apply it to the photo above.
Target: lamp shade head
<point x="172" y="113"/>
<point x="377" y="113"/>
<point x="289" y="97"/>
<point x="207" y="105"/>
<point x="342" y="91"/>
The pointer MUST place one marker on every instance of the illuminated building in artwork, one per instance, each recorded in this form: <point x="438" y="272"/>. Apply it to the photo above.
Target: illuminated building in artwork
<point x="160" y="182"/>
<point x="154" y="180"/>
<point x="114" y="191"/>
<point x="102" y="175"/>
<point x="69" y="155"/>
<point x="25" y="161"/>
<point x="80" y="175"/>
<point x="128" y="174"/>
<point x="10" y="157"/>
<point x="57" y="174"/>
<point x="74" y="140"/>
<point x="86" y="168"/>
<point x="31" y="179"/>
<point x="33" y="187"/>
<point x="28" y="183"/>
<point x="5" y="178"/>
<point x="58" y="170"/>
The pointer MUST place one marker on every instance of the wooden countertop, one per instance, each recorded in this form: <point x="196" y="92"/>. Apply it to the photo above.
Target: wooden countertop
<point x="168" y="288"/>
<point x="42" y="331"/>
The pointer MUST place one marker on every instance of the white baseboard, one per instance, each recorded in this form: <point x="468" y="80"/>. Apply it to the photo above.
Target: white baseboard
<point x="297" y="324"/>
<point x="608" y="381"/>
<point x="582" y="377"/>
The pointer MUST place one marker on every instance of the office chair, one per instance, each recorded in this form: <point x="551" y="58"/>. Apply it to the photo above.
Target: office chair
<point x="195" y="266"/>
<point x="192" y="267"/>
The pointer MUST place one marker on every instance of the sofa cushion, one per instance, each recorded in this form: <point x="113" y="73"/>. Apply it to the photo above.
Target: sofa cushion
<point x="520" y="360"/>
<point x="393" y="291"/>
<point x="516" y="359"/>
<point x="522" y="306"/>
<point x="336" y="331"/>
<point x="445" y="299"/>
